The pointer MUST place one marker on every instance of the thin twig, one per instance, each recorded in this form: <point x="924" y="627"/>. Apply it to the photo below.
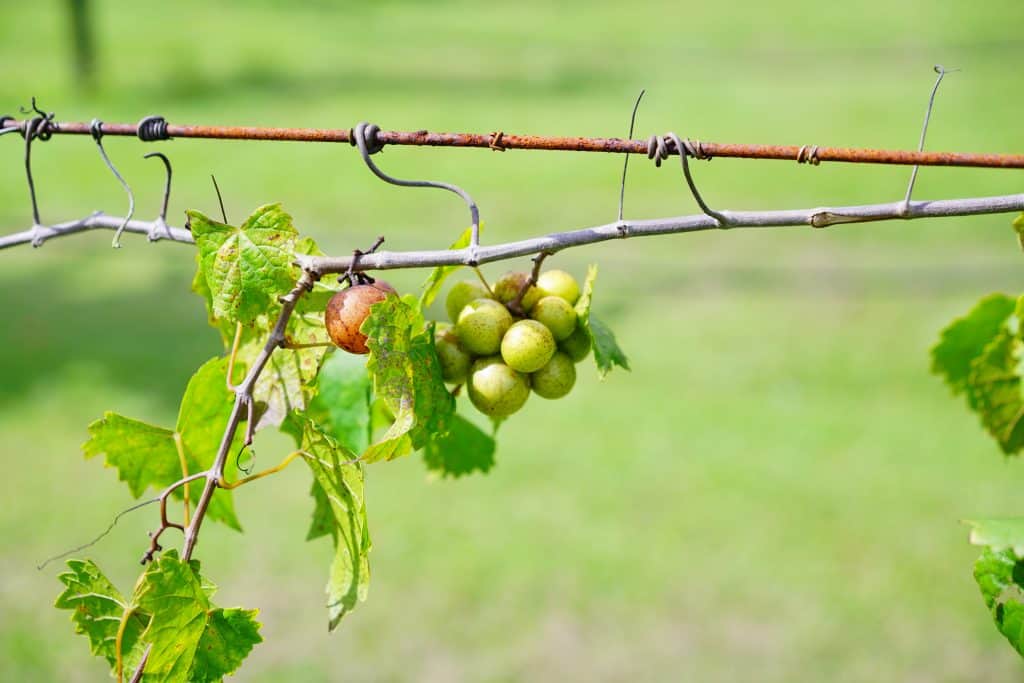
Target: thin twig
<point x="625" y="162"/>
<point x="941" y="71"/>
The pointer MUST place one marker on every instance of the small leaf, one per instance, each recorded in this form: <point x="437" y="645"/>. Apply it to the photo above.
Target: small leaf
<point x="247" y="267"/>
<point x="1018" y="227"/>
<point x="341" y="482"/>
<point x="342" y="403"/>
<point x="228" y="639"/>
<point x="407" y="377"/>
<point x="463" y="450"/>
<point x="97" y="609"/>
<point x="965" y="339"/>
<point x="999" y="534"/>
<point x="607" y="353"/>
<point x="190" y="638"/>
<point x="147" y="456"/>
<point x="1000" y="576"/>
<point x="438" y="275"/>
<point x="994" y="391"/>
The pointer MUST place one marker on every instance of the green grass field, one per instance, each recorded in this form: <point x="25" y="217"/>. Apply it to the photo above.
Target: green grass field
<point x="774" y="492"/>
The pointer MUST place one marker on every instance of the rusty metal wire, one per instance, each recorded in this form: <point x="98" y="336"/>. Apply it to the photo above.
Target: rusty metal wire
<point x="572" y="144"/>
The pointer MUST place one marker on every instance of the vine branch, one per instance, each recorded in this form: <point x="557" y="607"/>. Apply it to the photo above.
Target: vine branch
<point x="820" y="217"/>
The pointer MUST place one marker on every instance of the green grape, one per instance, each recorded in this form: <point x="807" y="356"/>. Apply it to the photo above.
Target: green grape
<point x="577" y="344"/>
<point x="527" y="346"/>
<point x="555" y="379"/>
<point x="481" y="326"/>
<point x="506" y="289"/>
<point x="559" y="283"/>
<point x="454" y="359"/>
<point x="496" y="389"/>
<point x="461" y="294"/>
<point x="556" y="314"/>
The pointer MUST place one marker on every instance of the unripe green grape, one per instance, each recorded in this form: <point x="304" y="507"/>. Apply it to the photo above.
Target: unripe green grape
<point x="555" y="379"/>
<point x="496" y="389"/>
<point x="454" y="359"/>
<point x="506" y="289"/>
<point x="527" y="346"/>
<point x="481" y="326"/>
<point x="559" y="283"/>
<point x="461" y="294"/>
<point x="577" y="344"/>
<point x="556" y="314"/>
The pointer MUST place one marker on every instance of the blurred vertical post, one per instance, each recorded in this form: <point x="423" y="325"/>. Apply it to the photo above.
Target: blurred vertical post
<point x="84" y="54"/>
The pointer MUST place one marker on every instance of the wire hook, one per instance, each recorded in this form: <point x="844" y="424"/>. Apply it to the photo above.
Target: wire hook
<point x="96" y="130"/>
<point x="161" y="220"/>
<point x="941" y="71"/>
<point x="364" y="135"/>
<point x="657" y="149"/>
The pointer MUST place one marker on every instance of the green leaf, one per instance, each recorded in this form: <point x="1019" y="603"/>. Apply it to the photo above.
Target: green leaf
<point x="189" y="638"/>
<point x="341" y="482"/>
<point x="228" y="639"/>
<point x="607" y="353"/>
<point x="438" y="275"/>
<point x="998" y="534"/>
<point x="994" y="391"/>
<point x="147" y="456"/>
<point x="965" y="339"/>
<point x="463" y="450"/>
<point x="342" y="403"/>
<point x="1018" y="227"/>
<point x="144" y="455"/>
<point x="407" y="377"/>
<point x="97" y="609"/>
<point x="247" y="267"/>
<point x="1000" y="576"/>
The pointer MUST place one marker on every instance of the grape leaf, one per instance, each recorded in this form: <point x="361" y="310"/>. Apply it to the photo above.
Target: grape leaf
<point x="1000" y="576"/>
<point x="228" y="639"/>
<point x="247" y="267"/>
<point x="965" y="339"/>
<point x="464" y="449"/>
<point x="994" y="391"/>
<point x="341" y="482"/>
<point x="147" y="456"/>
<point x="607" y="353"/>
<point x="342" y="403"/>
<point x="183" y="619"/>
<point x="97" y="608"/>
<point x="438" y="275"/>
<point x="407" y="377"/>
<point x="998" y="534"/>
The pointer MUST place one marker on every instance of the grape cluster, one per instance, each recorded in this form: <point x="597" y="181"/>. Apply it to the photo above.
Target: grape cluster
<point x="503" y="344"/>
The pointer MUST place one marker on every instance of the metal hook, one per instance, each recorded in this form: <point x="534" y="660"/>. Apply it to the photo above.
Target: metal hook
<point x="96" y="130"/>
<point x="941" y="71"/>
<point x="685" y="150"/>
<point x="161" y="220"/>
<point x="364" y="135"/>
<point x="31" y="131"/>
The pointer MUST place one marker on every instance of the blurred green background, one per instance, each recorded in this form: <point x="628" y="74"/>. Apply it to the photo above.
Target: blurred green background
<point x="772" y="494"/>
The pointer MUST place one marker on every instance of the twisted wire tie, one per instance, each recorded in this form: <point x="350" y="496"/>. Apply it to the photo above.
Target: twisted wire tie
<point x="495" y="142"/>
<point x="808" y="154"/>
<point x="369" y="133"/>
<point x="659" y="147"/>
<point x="152" y="129"/>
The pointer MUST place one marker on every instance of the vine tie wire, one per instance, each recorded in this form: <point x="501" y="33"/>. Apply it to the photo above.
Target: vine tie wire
<point x="506" y="141"/>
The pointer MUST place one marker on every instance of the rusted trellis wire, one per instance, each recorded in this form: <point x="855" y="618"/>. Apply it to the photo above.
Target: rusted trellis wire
<point x="503" y="141"/>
